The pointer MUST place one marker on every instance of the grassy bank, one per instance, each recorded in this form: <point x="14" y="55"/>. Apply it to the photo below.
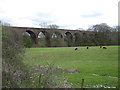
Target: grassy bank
<point x="98" y="67"/>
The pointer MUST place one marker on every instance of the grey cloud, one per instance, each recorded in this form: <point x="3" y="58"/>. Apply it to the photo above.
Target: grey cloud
<point x="95" y="14"/>
<point x="41" y="18"/>
<point x="44" y="15"/>
<point x="64" y="26"/>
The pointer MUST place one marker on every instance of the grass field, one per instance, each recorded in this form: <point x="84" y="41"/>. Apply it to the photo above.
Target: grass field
<point x="98" y="67"/>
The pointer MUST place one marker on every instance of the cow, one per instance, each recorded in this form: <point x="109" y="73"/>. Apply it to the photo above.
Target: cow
<point x="104" y="48"/>
<point x="76" y="48"/>
<point x="87" y="47"/>
<point x="100" y="46"/>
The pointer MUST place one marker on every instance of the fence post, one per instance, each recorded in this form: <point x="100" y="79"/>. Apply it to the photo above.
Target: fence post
<point x="82" y="83"/>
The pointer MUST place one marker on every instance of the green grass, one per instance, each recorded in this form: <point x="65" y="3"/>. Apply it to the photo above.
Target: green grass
<point x="95" y="60"/>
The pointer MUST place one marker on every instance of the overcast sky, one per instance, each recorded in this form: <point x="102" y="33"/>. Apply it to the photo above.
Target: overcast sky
<point x="67" y="14"/>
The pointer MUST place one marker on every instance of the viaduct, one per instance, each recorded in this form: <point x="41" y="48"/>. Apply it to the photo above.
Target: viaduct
<point x="64" y="35"/>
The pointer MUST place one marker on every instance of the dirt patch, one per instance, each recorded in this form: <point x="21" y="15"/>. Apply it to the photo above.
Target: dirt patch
<point x="72" y="70"/>
<point x="42" y="68"/>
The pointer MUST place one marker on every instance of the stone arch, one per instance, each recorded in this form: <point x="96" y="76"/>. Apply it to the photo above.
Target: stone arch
<point x="41" y="35"/>
<point x="57" y="35"/>
<point x="77" y="39"/>
<point x="68" y="38"/>
<point x="85" y="38"/>
<point x="46" y="36"/>
<point x="41" y="39"/>
<point x="56" y="39"/>
<point x="32" y="36"/>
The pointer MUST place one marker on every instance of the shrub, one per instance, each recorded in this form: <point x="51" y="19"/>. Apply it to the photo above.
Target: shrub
<point x="27" y="42"/>
<point x="14" y="72"/>
<point x="48" y="77"/>
<point x="41" y="42"/>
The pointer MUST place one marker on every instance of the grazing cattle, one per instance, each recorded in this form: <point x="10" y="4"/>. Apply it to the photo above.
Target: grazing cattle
<point x="100" y="46"/>
<point x="87" y="47"/>
<point x="76" y="48"/>
<point x="104" y="48"/>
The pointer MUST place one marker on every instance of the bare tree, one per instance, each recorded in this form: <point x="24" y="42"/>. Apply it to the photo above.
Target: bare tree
<point x="51" y="26"/>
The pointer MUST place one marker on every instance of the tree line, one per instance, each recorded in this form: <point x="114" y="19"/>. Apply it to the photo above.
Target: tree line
<point x="103" y="35"/>
<point x="99" y="35"/>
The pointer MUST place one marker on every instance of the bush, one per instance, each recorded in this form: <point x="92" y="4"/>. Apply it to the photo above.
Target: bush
<point x="48" y="77"/>
<point x="14" y="72"/>
<point x="27" y="42"/>
<point x="41" y="42"/>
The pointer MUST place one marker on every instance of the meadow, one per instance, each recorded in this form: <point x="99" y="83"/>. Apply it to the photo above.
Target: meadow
<point x="98" y="67"/>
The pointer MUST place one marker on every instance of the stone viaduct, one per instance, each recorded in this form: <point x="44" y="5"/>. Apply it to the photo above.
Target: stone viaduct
<point x="65" y="35"/>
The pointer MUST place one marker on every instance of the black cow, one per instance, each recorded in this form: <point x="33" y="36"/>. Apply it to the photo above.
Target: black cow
<point x="100" y="46"/>
<point x="76" y="48"/>
<point x="87" y="47"/>
<point x="104" y="48"/>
